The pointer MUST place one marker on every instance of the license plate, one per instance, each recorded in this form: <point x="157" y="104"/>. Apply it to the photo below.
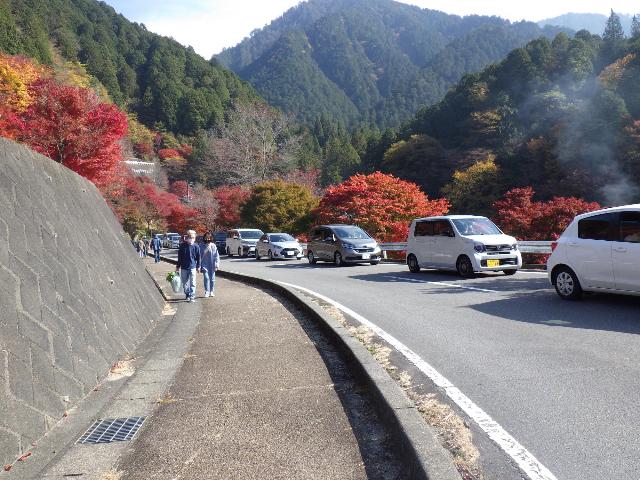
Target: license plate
<point x="290" y="254"/>
<point x="493" y="263"/>
<point x="366" y="256"/>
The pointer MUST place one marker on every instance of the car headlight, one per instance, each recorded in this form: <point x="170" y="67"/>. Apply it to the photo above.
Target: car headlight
<point x="514" y="247"/>
<point x="377" y="249"/>
<point x="348" y="246"/>
<point x="479" y="247"/>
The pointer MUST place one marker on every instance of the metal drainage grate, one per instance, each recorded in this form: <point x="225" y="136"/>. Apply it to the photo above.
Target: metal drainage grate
<point x="111" y="430"/>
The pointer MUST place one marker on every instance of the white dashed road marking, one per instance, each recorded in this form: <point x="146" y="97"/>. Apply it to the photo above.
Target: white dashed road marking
<point x="443" y="284"/>
<point x="523" y="458"/>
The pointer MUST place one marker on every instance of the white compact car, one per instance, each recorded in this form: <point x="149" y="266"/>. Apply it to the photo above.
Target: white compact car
<point x="598" y="252"/>
<point x="278" y="245"/>
<point x="465" y="243"/>
<point x="242" y="241"/>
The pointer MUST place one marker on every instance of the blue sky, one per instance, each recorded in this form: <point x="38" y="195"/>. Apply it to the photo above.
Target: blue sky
<point x="211" y="25"/>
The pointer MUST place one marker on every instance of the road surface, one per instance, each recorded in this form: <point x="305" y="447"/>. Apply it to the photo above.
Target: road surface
<point x="562" y="378"/>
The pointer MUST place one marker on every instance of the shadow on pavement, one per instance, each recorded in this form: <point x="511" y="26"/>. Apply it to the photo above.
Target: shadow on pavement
<point x="490" y="281"/>
<point x="616" y="313"/>
<point x="379" y="454"/>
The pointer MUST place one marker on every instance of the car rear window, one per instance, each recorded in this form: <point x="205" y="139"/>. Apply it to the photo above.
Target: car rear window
<point x="630" y="227"/>
<point x="597" y="227"/>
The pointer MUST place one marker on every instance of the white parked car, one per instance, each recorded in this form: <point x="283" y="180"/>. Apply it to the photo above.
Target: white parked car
<point x="465" y="243"/>
<point x="598" y="252"/>
<point x="171" y="240"/>
<point x="278" y="245"/>
<point x="242" y="241"/>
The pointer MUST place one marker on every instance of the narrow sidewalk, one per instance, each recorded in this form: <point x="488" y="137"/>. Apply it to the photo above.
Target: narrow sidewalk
<point x="253" y="399"/>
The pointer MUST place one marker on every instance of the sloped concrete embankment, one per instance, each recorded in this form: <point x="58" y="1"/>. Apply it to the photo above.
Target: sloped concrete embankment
<point x="74" y="298"/>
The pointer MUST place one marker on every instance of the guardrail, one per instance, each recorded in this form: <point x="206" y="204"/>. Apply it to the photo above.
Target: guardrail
<point x="542" y="247"/>
<point x="528" y="246"/>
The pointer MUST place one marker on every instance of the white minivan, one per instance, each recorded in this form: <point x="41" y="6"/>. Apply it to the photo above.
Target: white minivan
<point x="466" y="243"/>
<point x="242" y="241"/>
<point x="598" y="252"/>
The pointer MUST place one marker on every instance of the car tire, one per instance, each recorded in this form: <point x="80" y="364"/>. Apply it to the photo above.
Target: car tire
<point x="270" y="255"/>
<point x="229" y="254"/>
<point x="257" y="255"/>
<point x="375" y="262"/>
<point x="412" y="263"/>
<point x="312" y="258"/>
<point x="567" y="284"/>
<point x="510" y="272"/>
<point x="464" y="267"/>
<point x="337" y="259"/>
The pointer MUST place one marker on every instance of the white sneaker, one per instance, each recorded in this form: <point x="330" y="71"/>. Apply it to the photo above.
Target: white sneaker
<point x="212" y="294"/>
<point x="206" y="295"/>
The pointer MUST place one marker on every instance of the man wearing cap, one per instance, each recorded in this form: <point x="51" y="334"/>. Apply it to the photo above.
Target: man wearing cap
<point x="189" y="264"/>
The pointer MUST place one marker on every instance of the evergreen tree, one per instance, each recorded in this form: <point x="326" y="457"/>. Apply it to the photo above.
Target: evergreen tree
<point x="635" y="27"/>
<point x="613" y="31"/>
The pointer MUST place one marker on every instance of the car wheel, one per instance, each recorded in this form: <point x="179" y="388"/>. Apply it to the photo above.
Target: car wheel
<point x="229" y="254"/>
<point x="270" y="255"/>
<point x="337" y="259"/>
<point x="375" y="262"/>
<point x="412" y="263"/>
<point x="510" y="272"/>
<point x="567" y="284"/>
<point x="257" y="255"/>
<point x="464" y="267"/>
<point x="312" y="258"/>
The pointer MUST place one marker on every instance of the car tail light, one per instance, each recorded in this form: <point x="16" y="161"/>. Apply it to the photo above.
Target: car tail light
<point x="553" y="246"/>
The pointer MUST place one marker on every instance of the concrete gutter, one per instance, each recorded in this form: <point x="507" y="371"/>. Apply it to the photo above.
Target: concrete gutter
<point x="417" y="443"/>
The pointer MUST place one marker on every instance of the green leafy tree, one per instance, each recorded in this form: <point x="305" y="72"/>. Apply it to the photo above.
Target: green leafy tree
<point x="278" y="206"/>
<point x="635" y="27"/>
<point x="475" y="189"/>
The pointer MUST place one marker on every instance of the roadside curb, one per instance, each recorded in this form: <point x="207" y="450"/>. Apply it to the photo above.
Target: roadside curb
<point x="419" y="445"/>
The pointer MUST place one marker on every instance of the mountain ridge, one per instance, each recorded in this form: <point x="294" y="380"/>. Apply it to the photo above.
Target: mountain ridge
<point x="388" y="58"/>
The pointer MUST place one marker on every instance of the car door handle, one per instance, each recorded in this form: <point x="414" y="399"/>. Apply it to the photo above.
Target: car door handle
<point x="573" y="244"/>
<point x="620" y="249"/>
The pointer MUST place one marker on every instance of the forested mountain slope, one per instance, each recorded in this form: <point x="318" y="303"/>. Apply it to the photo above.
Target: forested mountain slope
<point x="562" y="116"/>
<point x="168" y="85"/>
<point x="373" y="61"/>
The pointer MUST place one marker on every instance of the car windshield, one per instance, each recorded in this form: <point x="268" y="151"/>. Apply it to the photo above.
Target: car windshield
<point x="476" y="226"/>
<point x="251" y="234"/>
<point x="281" y="237"/>
<point x="351" y="232"/>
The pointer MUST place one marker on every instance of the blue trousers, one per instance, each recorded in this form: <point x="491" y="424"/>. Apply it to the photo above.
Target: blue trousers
<point x="209" y="280"/>
<point x="156" y="255"/>
<point x="188" y="278"/>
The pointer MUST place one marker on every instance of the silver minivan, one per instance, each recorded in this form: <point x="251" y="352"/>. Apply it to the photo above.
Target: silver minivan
<point x="342" y="244"/>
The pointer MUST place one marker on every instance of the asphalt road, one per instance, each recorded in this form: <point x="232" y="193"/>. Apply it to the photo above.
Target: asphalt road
<point x="562" y="378"/>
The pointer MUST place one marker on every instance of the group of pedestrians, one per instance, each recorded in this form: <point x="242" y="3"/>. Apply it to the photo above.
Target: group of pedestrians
<point x="193" y="258"/>
<point x="143" y="245"/>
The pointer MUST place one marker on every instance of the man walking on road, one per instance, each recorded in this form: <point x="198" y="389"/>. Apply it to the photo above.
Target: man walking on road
<point x="156" y="244"/>
<point x="189" y="264"/>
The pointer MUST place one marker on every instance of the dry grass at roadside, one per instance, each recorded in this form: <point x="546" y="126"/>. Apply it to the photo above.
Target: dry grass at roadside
<point x="453" y="432"/>
<point x="112" y="475"/>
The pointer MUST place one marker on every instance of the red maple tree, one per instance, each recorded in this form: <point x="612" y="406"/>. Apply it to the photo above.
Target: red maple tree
<point x="382" y="204"/>
<point x="71" y="126"/>
<point x="519" y="215"/>
<point x="230" y="200"/>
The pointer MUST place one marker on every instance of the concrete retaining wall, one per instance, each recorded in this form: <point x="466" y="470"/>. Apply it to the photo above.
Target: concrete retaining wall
<point x="74" y="297"/>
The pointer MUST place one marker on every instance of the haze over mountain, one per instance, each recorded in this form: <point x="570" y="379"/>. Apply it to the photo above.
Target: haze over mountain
<point x="375" y="61"/>
<point x="593" y="22"/>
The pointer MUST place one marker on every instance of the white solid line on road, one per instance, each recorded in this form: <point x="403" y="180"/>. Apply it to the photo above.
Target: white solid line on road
<point x="523" y="458"/>
<point x="444" y="284"/>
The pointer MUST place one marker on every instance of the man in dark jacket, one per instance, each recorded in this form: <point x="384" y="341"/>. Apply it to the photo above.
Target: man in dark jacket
<point x="156" y="244"/>
<point x="189" y="264"/>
